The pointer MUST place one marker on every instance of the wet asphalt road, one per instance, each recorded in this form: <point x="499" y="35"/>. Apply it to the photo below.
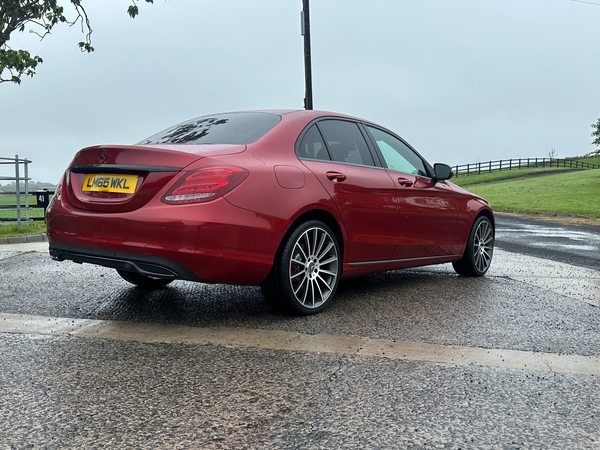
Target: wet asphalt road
<point x="75" y="391"/>
<point x="572" y="244"/>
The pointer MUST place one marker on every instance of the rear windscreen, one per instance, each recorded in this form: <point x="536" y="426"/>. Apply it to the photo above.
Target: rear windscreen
<point x="231" y="128"/>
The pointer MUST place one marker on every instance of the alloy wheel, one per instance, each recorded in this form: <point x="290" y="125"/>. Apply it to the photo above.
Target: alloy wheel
<point x="483" y="246"/>
<point x="313" y="268"/>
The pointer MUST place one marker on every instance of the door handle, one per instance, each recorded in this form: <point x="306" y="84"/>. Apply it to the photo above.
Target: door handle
<point x="336" y="176"/>
<point x="404" y="182"/>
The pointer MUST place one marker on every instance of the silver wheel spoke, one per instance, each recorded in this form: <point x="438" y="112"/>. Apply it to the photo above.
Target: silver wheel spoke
<point x="326" y="250"/>
<point x="320" y="246"/>
<point x="328" y="272"/>
<point x="308" y="286"/>
<point x="300" y="285"/>
<point x="325" y="283"/>
<point x="316" y="283"/>
<point x="299" y="247"/>
<point x="313" y="248"/>
<point x="329" y="261"/>
<point x="296" y="275"/>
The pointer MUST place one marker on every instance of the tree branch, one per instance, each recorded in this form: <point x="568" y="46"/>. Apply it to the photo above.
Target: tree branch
<point x="43" y="15"/>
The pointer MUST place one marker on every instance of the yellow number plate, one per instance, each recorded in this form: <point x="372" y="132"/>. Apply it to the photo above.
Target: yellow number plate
<point x="103" y="182"/>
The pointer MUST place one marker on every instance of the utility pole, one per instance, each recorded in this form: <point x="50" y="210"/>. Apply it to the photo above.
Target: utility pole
<point x="305" y="30"/>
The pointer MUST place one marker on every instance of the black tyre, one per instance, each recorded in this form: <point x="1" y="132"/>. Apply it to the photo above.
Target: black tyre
<point x="479" y="251"/>
<point x="143" y="281"/>
<point x="306" y="271"/>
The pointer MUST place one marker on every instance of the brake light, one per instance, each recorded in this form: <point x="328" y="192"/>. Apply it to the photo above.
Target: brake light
<point x="206" y="184"/>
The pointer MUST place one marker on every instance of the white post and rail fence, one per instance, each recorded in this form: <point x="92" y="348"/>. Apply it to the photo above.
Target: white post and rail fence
<point x="15" y="206"/>
<point x="521" y="163"/>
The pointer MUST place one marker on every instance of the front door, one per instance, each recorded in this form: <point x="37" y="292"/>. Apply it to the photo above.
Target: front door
<point x="426" y="208"/>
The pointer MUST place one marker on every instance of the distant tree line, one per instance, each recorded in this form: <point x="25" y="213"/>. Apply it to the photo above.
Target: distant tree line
<point x="33" y="186"/>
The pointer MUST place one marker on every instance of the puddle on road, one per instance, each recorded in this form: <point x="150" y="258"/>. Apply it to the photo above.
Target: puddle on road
<point x="561" y="238"/>
<point x="585" y="248"/>
<point x="551" y="232"/>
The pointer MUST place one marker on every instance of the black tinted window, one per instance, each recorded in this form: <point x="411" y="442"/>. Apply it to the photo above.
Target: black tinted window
<point x="345" y="142"/>
<point x="234" y="128"/>
<point x="312" y="146"/>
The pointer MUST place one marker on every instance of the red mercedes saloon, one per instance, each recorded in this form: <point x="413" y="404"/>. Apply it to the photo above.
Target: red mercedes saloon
<point x="292" y="201"/>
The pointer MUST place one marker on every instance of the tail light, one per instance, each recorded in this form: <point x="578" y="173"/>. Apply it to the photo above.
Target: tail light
<point x="204" y="185"/>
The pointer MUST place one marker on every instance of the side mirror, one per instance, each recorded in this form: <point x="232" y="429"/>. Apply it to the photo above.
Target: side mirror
<point x="442" y="172"/>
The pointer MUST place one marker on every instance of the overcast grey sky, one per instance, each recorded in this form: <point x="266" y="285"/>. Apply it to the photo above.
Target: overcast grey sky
<point x="461" y="80"/>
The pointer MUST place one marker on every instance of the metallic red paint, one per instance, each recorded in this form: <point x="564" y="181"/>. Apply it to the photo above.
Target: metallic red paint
<point x="385" y="219"/>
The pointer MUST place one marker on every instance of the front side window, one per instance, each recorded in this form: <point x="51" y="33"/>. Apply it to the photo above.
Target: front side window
<point x="345" y="142"/>
<point x="397" y="155"/>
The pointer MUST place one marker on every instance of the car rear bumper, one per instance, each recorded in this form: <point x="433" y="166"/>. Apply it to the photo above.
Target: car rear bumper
<point x="211" y="243"/>
<point x="145" y="265"/>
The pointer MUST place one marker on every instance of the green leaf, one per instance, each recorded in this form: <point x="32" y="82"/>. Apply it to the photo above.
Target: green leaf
<point x="133" y="11"/>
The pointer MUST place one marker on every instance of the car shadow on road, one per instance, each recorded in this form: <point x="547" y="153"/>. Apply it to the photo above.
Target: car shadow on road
<point x="391" y="300"/>
<point x="184" y="303"/>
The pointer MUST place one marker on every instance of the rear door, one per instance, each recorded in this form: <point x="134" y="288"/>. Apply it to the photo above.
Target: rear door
<point x="337" y="153"/>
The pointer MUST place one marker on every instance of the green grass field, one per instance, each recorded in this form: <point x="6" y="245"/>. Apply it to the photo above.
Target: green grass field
<point x="11" y="200"/>
<point x="589" y="159"/>
<point x="573" y="192"/>
<point x="29" y="229"/>
<point x="496" y="176"/>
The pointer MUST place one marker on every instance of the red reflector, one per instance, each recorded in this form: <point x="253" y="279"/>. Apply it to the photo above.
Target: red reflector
<point x="206" y="184"/>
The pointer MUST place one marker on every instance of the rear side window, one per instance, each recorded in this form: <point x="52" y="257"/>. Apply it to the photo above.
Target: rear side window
<point x="232" y="128"/>
<point x="345" y="142"/>
<point x="312" y="146"/>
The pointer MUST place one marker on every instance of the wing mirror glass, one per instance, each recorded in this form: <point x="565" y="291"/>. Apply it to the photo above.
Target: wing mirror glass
<point x="442" y="171"/>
